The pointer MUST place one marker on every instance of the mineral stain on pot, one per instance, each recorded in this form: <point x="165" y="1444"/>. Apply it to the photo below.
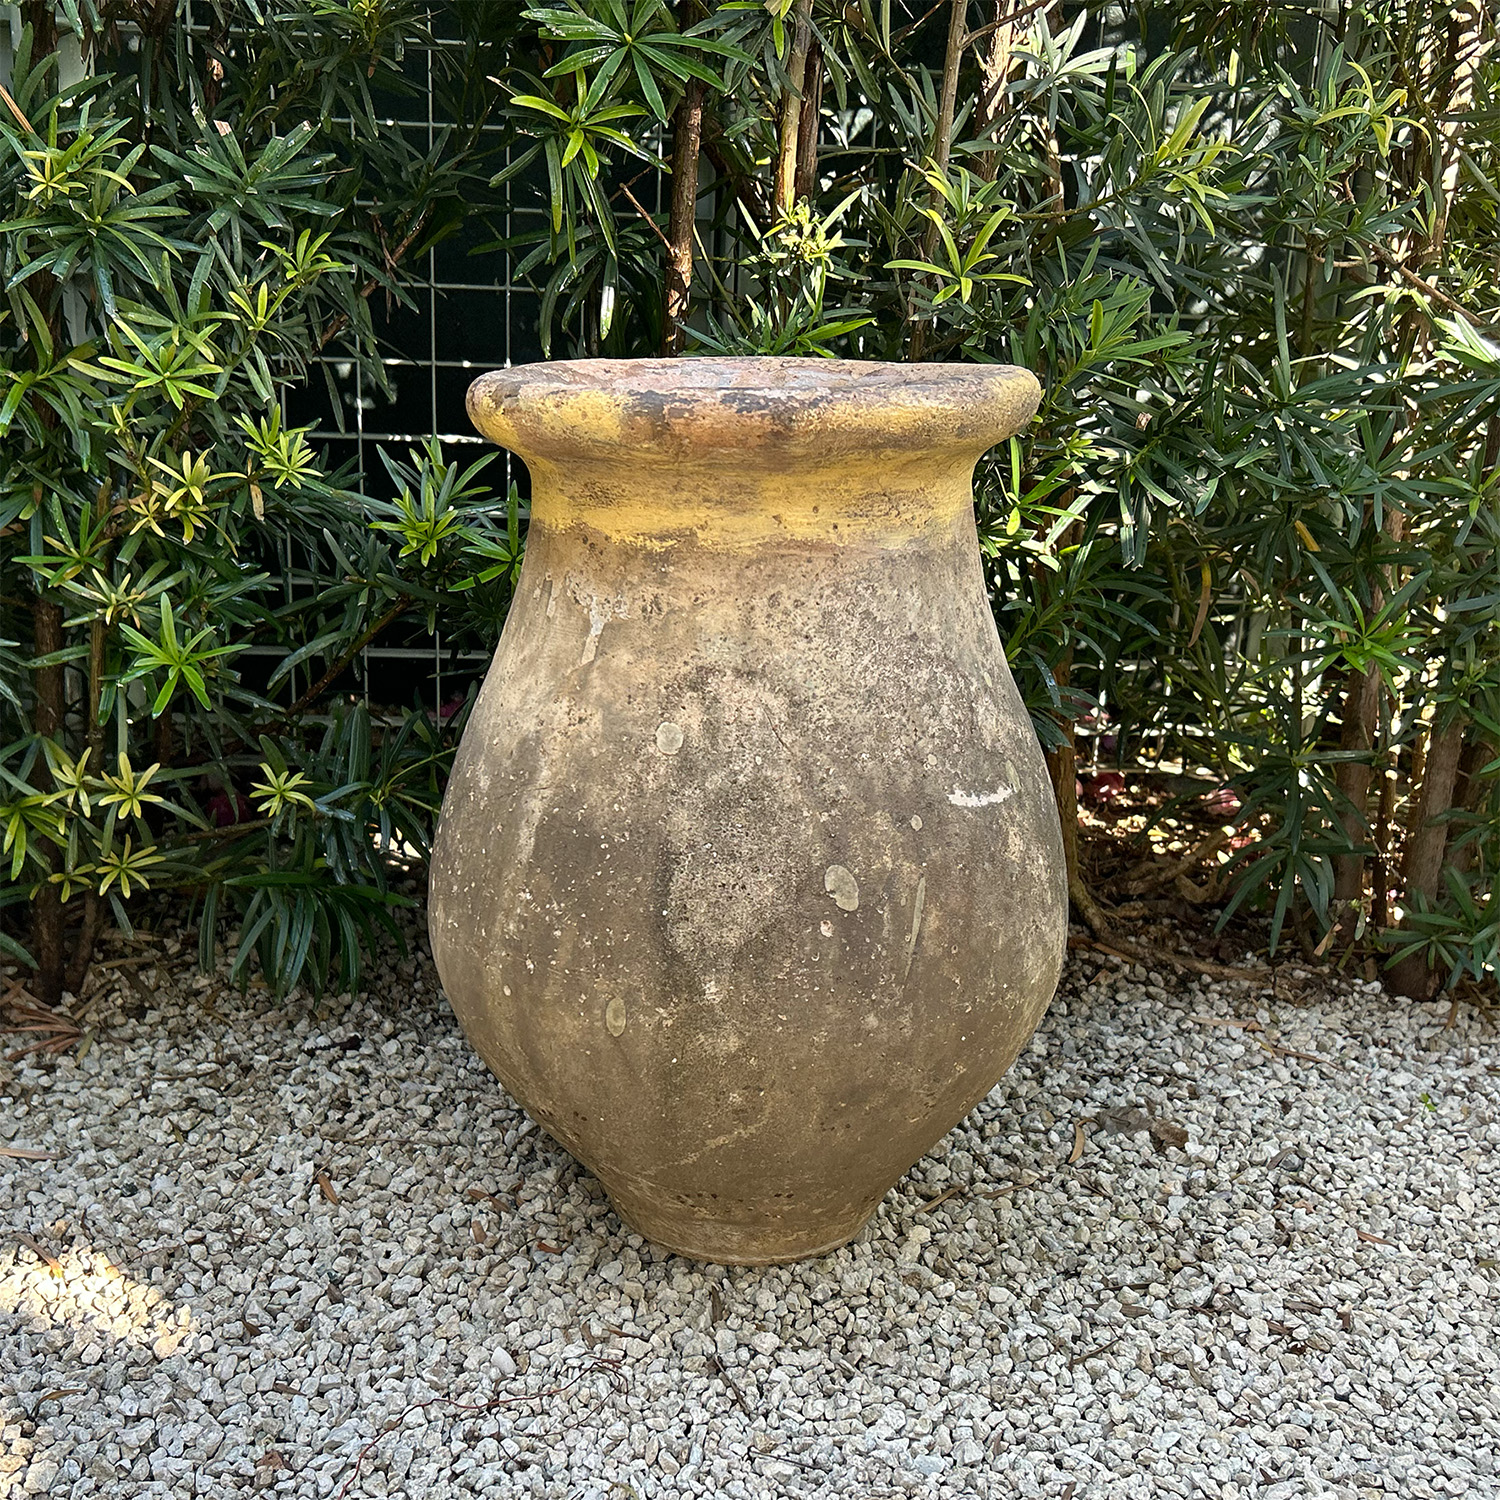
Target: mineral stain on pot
<point x="749" y="754"/>
<point x="842" y="886"/>
<point x="918" y="903"/>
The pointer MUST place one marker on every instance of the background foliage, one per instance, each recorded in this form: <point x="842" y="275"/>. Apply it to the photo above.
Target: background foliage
<point x="1250" y="249"/>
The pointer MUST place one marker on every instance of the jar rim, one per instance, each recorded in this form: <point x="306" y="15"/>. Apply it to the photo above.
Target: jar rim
<point x="697" y="405"/>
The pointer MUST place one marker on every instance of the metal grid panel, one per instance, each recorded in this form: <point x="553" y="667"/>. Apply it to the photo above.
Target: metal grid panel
<point x="468" y="317"/>
<point x="465" y="322"/>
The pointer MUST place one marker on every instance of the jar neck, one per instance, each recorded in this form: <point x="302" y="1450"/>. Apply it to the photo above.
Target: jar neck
<point x="880" y="498"/>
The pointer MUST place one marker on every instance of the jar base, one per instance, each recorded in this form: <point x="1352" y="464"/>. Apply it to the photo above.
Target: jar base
<point x="703" y="1238"/>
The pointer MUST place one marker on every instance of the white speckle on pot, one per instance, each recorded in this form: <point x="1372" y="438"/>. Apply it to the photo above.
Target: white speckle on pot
<point x="961" y="798"/>
<point x="599" y="613"/>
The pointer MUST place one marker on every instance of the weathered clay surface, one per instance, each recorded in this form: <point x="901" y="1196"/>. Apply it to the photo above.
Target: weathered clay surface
<point x="749" y="883"/>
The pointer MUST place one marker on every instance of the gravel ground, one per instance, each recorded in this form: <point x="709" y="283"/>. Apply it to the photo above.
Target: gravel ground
<point x="318" y="1252"/>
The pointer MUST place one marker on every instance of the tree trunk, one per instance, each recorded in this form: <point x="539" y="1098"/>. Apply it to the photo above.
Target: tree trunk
<point x="1422" y="866"/>
<point x="994" y="73"/>
<point x="41" y="16"/>
<point x="1469" y="789"/>
<point x="687" y="136"/>
<point x="1427" y="840"/>
<point x="808" y="121"/>
<point x="953" y="56"/>
<point x="1062" y="767"/>
<point x="1361" y="708"/>
<point x="942" y="140"/>
<point x="93" y="903"/>
<point x="1050" y="144"/>
<point x="1464" y="55"/>
<point x="46" y="908"/>
<point x="791" y="112"/>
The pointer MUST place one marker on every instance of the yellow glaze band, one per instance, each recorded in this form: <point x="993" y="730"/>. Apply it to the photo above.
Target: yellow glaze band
<point x="658" y="506"/>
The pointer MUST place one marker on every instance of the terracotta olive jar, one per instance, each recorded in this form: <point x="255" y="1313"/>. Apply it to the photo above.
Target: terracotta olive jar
<point x="748" y="883"/>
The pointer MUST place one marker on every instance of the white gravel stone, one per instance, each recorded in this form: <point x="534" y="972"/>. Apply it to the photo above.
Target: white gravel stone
<point x="315" y="1251"/>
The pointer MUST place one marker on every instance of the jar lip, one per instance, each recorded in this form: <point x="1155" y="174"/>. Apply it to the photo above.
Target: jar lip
<point x="564" y="408"/>
<point x="767" y="374"/>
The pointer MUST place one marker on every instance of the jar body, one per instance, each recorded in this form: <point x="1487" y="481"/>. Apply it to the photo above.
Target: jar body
<point x="749" y="883"/>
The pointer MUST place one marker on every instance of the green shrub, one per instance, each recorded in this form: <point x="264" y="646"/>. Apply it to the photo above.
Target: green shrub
<point x="1249" y="248"/>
